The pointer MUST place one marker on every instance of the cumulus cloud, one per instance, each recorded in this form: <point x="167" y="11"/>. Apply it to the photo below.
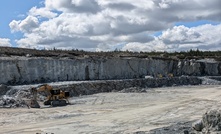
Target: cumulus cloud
<point x="5" y="42"/>
<point x="25" y="26"/>
<point x="104" y="24"/>
<point x="180" y="38"/>
<point x="42" y="12"/>
<point x="180" y="35"/>
<point x="121" y="6"/>
<point x="80" y="6"/>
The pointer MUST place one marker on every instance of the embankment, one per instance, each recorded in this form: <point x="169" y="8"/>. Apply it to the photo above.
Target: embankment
<point x="92" y="87"/>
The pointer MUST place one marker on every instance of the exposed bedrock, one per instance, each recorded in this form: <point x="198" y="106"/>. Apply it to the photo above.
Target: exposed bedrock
<point x="92" y="87"/>
<point x="27" y="70"/>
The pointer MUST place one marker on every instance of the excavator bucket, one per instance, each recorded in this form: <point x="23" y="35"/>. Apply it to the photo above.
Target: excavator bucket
<point x="34" y="104"/>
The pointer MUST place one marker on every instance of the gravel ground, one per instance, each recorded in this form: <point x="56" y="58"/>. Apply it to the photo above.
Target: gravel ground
<point x="156" y="111"/>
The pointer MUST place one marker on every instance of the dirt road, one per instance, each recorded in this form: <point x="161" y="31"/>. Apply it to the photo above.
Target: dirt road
<point x="115" y="112"/>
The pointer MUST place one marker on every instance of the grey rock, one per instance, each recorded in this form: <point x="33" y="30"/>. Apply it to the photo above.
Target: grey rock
<point x="3" y="89"/>
<point x="28" y="70"/>
<point x="133" y="90"/>
<point x="198" y="125"/>
<point x="212" y="121"/>
<point x="185" y="132"/>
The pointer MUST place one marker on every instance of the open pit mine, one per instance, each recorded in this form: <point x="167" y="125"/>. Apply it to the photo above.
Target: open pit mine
<point x="57" y="92"/>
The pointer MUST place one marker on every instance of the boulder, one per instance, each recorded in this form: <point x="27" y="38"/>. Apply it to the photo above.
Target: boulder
<point x="198" y="125"/>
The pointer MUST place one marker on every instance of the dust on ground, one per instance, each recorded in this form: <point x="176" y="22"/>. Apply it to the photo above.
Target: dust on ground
<point x="115" y="112"/>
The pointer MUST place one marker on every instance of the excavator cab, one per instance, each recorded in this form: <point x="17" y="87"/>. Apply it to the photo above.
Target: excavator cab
<point x="55" y="91"/>
<point x="67" y="94"/>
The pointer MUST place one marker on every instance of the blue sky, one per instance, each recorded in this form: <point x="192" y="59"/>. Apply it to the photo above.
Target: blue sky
<point x="101" y="25"/>
<point x="13" y="9"/>
<point x="190" y="25"/>
<point x="197" y="23"/>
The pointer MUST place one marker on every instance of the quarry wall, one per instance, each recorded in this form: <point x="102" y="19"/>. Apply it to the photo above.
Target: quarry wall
<point x="92" y="87"/>
<point x="26" y="70"/>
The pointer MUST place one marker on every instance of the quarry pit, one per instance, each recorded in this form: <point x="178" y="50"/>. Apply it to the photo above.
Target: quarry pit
<point x="108" y="94"/>
<point x="148" y="112"/>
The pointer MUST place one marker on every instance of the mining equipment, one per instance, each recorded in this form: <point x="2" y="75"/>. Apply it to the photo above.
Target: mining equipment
<point x="55" y="97"/>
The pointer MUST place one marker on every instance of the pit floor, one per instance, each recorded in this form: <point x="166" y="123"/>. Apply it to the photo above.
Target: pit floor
<point x="115" y="112"/>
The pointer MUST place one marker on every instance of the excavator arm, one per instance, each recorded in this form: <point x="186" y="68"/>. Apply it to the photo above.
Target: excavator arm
<point x="34" y="103"/>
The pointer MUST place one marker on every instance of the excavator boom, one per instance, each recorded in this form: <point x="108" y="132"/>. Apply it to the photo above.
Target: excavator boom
<point x="34" y="103"/>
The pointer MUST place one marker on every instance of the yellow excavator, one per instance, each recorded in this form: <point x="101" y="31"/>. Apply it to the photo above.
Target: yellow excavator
<point x="55" y="97"/>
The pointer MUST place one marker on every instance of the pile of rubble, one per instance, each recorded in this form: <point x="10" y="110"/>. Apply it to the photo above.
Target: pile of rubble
<point x="12" y="98"/>
<point x="209" y="124"/>
<point x="11" y="102"/>
<point x="178" y="128"/>
<point x="210" y="80"/>
<point x="133" y="90"/>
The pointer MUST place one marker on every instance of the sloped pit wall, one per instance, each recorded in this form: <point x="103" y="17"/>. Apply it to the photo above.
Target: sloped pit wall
<point x="92" y="87"/>
<point x="27" y="70"/>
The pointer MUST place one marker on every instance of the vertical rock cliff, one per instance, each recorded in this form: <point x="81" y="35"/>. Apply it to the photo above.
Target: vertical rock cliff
<point x="26" y="70"/>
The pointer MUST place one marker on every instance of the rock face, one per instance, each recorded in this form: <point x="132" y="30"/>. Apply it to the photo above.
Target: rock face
<point x="27" y="70"/>
<point x="131" y="85"/>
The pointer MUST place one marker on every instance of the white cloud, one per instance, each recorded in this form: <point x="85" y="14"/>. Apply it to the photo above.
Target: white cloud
<point x="14" y="25"/>
<point x="42" y="12"/>
<point x="5" y="42"/>
<point x="205" y="37"/>
<point x="155" y="45"/>
<point x="103" y="24"/>
<point x="179" y="38"/>
<point x="180" y="34"/>
<point x="25" y="26"/>
<point x="80" y="6"/>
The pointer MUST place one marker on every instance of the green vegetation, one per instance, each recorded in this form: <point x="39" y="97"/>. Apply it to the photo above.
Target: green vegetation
<point x="191" y="54"/>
